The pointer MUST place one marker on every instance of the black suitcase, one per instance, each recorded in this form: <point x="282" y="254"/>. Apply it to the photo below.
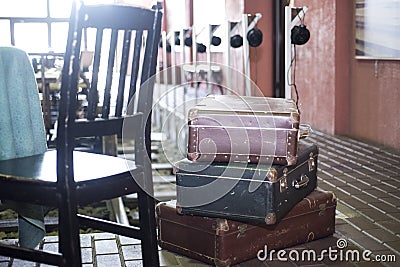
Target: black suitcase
<point x="245" y="192"/>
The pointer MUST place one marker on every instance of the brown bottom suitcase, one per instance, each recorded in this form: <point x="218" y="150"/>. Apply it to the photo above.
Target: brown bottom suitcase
<point x="225" y="242"/>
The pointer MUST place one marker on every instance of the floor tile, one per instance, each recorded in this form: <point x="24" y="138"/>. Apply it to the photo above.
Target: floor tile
<point x="395" y="216"/>
<point x="394" y="246"/>
<point x="375" y="192"/>
<point x="347" y="211"/>
<point x="132" y="252"/>
<point x="355" y="203"/>
<point x="391" y="201"/>
<point x="384" y="207"/>
<point x="390" y="225"/>
<point x="365" y="198"/>
<point x="167" y="259"/>
<point x="341" y="195"/>
<point x="106" y="246"/>
<point x="361" y="223"/>
<point x="128" y="241"/>
<point x="108" y="260"/>
<point x="374" y="214"/>
<point x="347" y="231"/>
<point x="349" y="190"/>
<point x="381" y="235"/>
<point x="136" y="263"/>
<point x="366" y="242"/>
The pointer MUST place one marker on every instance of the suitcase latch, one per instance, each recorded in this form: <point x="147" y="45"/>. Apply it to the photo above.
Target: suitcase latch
<point x="311" y="163"/>
<point x="222" y="226"/>
<point x="283" y="181"/>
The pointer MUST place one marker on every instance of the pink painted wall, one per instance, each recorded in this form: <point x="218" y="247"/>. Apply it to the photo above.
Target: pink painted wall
<point x="338" y="93"/>
<point x="261" y="57"/>
<point x="375" y="102"/>
<point x="316" y="68"/>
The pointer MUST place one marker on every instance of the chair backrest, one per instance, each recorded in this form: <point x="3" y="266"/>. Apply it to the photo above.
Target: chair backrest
<point x="21" y="121"/>
<point x="124" y="38"/>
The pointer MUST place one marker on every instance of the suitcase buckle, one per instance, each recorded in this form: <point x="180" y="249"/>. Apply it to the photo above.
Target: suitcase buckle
<point x="311" y="162"/>
<point x="283" y="181"/>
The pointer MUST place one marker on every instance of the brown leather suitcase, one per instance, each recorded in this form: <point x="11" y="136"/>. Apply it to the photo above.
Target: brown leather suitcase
<point x="231" y="128"/>
<point x="225" y="242"/>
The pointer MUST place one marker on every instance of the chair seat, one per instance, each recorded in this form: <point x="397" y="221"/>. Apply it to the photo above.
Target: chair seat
<point x="91" y="172"/>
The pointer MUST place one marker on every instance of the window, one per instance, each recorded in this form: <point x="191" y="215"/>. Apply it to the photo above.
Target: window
<point x="41" y="26"/>
<point x="31" y="8"/>
<point x="29" y="42"/>
<point x="60" y="8"/>
<point x="5" y="32"/>
<point x="38" y="27"/>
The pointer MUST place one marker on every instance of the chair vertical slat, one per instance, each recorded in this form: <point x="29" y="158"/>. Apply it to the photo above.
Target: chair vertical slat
<point x="69" y="241"/>
<point x="135" y="67"/>
<point x="147" y="85"/>
<point x="148" y="72"/>
<point x="122" y="74"/>
<point x="110" y="66"/>
<point x="93" y="97"/>
<point x="67" y="107"/>
<point x="150" y="258"/>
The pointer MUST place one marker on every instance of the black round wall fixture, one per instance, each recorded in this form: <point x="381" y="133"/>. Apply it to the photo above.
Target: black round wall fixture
<point x="168" y="48"/>
<point x="300" y="35"/>
<point x="201" y="48"/>
<point x="236" y="41"/>
<point x="254" y="37"/>
<point x="215" y="40"/>
<point x="188" y="41"/>
<point x="177" y="39"/>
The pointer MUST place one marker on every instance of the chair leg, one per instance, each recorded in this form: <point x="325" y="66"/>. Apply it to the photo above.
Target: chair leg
<point x="148" y="228"/>
<point x="69" y="241"/>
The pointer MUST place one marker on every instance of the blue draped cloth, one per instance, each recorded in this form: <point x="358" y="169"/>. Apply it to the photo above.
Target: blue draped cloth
<point x="22" y="131"/>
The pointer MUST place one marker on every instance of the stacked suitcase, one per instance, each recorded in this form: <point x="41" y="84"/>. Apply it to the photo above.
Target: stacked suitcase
<point x="247" y="183"/>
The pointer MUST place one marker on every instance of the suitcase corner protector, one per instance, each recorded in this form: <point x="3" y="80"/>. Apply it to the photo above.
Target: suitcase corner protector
<point x="295" y="116"/>
<point x="222" y="263"/>
<point x="334" y="198"/>
<point x="291" y="160"/>
<point x="179" y="210"/>
<point x="193" y="156"/>
<point x="270" y="218"/>
<point x="192" y="114"/>
<point x="158" y="208"/>
<point x="272" y="174"/>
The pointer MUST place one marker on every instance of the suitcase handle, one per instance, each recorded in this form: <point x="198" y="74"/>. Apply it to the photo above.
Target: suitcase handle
<point x="304" y="130"/>
<point x="302" y="183"/>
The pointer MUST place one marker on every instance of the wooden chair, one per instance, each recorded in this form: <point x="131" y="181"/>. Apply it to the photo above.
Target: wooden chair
<point x="65" y="178"/>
